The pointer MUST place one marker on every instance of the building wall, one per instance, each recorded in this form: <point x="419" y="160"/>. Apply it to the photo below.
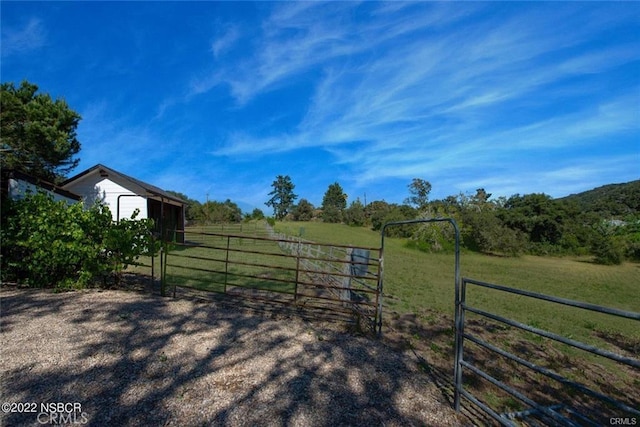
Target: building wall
<point x="94" y="187"/>
<point x="18" y="189"/>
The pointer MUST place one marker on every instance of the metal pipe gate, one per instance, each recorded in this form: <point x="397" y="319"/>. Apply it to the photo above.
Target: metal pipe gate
<point x="557" y="414"/>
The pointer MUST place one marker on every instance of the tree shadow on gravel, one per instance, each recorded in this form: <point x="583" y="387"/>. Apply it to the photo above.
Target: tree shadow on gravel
<point x="430" y="337"/>
<point x="133" y="359"/>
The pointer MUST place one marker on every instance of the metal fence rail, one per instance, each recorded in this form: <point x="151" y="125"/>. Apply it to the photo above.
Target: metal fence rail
<point x="278" y="269"/>
<point x="558" y="414"/>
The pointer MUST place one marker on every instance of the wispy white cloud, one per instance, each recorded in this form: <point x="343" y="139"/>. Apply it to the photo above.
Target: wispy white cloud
<point x="435" y="98"/>
<point x="17" y="40"/>
<point x="468" y="93"/>
<point x="117" y="140"/>
<point x="225" y="41"/>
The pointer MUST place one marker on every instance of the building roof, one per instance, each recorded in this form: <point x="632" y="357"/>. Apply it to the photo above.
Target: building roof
<point x="14" y="174"/>
<point x="141" y="188"/>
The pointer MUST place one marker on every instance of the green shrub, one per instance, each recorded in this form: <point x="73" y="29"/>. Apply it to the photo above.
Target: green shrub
<point x="126" y="240"/>
<point x="607" y="251"/>
<point x="51" y="244"/>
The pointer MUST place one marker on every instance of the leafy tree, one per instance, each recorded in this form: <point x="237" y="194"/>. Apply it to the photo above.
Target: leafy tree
<point x="354" y="214"/>
<point x="483" y="231"/>
<point x="126" y="240"/>
<point x="303" y="211"/>
<point x="256" y="214"/>
<point x="419" y="190"/>
<point x="282" y="196"/>
<point x="538" y="216"/>
<point x="376" y="212"/>
<point x="606" y="248"/>
<point x="38" y="134"/>
<point x="333" y="203"/>
<point x="219" y="212"/>
<point x="399" y="213"/>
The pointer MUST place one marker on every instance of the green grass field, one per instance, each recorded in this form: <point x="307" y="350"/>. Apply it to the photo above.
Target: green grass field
<point x="415" y="281"/>
<point x="212" y="263"/>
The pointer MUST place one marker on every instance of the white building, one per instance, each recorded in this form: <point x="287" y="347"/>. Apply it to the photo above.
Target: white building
<point x="124" y="194"/>
<point x="16" y="185"/>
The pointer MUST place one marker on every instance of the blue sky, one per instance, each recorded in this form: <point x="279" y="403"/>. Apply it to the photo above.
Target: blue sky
<point x="219" y="98"/>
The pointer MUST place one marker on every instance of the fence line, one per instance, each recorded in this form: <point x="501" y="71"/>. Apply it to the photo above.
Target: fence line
<point x="343" y="269"/>
<point x="299" y="271"/>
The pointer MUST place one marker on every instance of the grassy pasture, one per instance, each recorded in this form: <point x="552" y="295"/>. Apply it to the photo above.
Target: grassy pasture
<point x="416" y="281"/>
<point x="201" y="263"/>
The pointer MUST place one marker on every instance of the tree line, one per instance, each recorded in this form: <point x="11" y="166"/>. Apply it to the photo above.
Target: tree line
<point x="600" y="224"/>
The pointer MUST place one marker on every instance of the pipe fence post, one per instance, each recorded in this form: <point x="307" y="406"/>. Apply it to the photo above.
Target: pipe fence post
<point x="295" y="293"/>
<point x="346" y="279"/>
<point x="226" y="265"/>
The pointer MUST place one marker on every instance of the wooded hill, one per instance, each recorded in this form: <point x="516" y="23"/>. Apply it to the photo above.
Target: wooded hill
<point x="613" y="201"/>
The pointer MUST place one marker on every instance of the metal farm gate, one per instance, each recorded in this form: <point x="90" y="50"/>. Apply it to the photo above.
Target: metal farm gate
<point x="575" y="403"/>
<point x="339" y="280"/>
<point x="581" y="405"/>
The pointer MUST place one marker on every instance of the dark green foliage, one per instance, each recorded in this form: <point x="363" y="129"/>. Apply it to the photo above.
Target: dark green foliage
<point x="50" y="244"/>
<point x="333" y="203"/>
<point x="609" y="201"/>
<point x="282" y="196"/>
<point x="483" y="231"/>
<point x="256" y="214"/>
<point x="213" y="212"/>
<point x="47" y="243"/>
<point x="38" y="133"/>
<point x="355" y="215"/>
<point x="419" y="190"/>
<point x="606" y="249"/>
<point x="538" y="224"/>
<point x="303" y="211"/>
<point x="400" y="213"/>
<point x="536" y="215"/>
<point x="375" y="213"/>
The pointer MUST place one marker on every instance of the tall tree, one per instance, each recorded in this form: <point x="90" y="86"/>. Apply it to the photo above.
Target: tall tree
<point x="419" y="190"/>
<point x="333" y="203"/>
<point x="282" y="196"/>
<point x="38" y="134"/>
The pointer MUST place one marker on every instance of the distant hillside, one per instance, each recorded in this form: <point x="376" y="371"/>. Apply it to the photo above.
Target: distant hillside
<point x="610" y="201"/>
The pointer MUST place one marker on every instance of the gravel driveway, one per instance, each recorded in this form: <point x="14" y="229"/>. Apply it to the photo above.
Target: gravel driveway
<point x="135" y="359"/>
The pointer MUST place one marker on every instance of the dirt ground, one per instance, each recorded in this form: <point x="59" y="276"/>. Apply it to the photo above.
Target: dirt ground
<point x="129" y="358"/>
